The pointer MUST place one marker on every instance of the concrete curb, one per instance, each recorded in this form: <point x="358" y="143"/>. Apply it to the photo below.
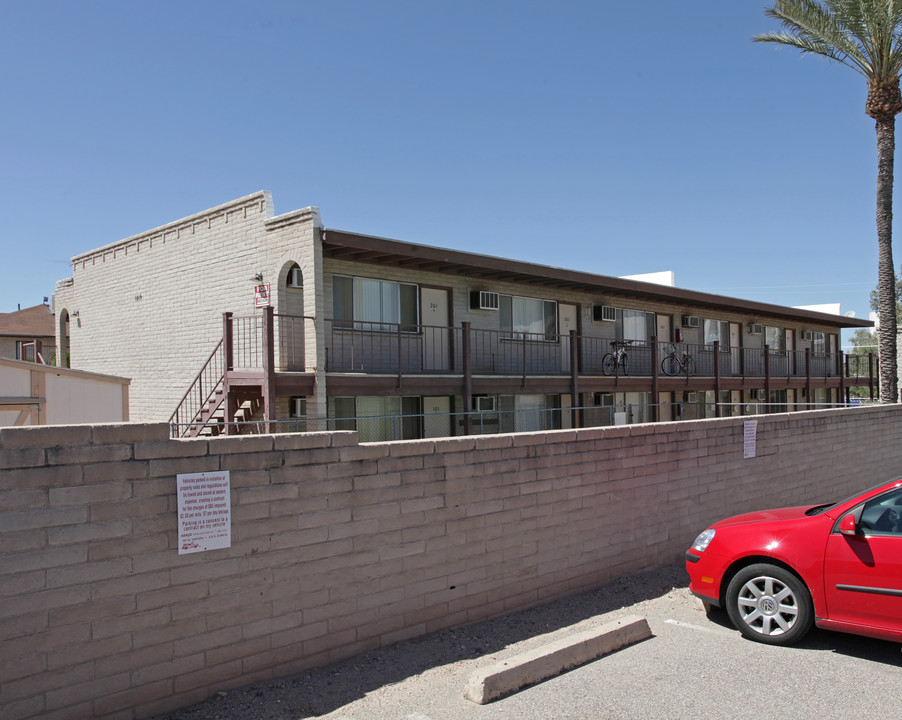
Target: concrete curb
<point x="549" y="660"/>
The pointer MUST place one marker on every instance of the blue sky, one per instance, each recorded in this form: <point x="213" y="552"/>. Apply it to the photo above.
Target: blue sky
<point x="616" y="138"/>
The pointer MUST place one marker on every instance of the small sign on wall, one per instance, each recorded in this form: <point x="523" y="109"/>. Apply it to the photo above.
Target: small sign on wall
<point x="750" y="439"/>
<point x="205" y="511"/>
<point x="261" y="295"/>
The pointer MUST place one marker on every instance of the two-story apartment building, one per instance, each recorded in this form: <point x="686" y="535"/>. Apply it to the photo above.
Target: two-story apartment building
<point x="236" y="314"/>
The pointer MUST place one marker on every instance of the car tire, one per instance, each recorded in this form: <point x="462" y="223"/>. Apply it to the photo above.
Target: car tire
<point x="769" y="604"/>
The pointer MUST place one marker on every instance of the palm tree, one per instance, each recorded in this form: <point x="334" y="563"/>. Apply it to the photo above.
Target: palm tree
<point x="865" y="35"/>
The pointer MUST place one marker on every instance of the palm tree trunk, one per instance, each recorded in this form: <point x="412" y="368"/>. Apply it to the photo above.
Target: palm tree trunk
<point x="886" y="276"/>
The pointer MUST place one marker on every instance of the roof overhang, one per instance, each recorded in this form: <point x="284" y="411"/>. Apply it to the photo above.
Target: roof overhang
<point x="342" y="245"/>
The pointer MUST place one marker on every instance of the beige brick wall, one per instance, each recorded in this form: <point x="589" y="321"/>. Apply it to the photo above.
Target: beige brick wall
<point x="150" y="307"/>
<point x="339" y="547"/>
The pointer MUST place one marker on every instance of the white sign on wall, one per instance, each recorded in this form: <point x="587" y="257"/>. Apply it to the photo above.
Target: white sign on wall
<point x="205" y="511"/>
<point x="750" y="439"/>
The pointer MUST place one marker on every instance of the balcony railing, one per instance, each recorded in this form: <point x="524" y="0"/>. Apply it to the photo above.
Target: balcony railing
<point x="389" y="348"/>
<point x="406" y="349"/>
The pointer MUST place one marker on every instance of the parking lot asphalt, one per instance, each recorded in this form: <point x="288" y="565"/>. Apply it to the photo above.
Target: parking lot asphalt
<point x="693" y="666"/>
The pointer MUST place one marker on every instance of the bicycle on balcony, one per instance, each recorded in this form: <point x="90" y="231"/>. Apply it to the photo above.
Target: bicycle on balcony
<point x="616" y="358"/>
<point x="677" y="363"/>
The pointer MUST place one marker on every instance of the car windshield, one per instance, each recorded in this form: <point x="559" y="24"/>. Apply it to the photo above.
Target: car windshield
<point x="818" y="509"/>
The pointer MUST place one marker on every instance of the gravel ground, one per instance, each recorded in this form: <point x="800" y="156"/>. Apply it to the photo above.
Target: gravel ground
<point x="443" y="660"/>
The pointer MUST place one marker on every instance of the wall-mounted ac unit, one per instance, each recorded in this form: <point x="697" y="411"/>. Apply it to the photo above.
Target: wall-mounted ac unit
<point x="690" y="397"/>
<point x="807" y="335"/>
<point x="755" y="328"/>
<point x="604" y="313"/>
<point x="295" y="279"/>
<point x="297" y="407"/>
<point x="484" y="300"/>
<point x="485" y="403"/>
<point x="604" y="399"/>
<point x="690" y="321"/>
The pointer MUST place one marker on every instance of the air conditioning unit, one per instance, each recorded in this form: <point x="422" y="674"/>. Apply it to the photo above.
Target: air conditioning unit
<point x="604" y="313"/>
<point x="755" y="329"/>
<point x="604" y="399"/>
<point x="690" y="321"/>
<point x="690" y="397"/>
<point x="485" y="403"/>
<point x="484" y="300"/>
<point x="295" y="279"/>
<point x="298" y="407"/>
<point x="807" y="335"/>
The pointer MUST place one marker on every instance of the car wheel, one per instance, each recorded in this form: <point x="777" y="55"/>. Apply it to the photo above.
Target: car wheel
<point x="769" y="604"/>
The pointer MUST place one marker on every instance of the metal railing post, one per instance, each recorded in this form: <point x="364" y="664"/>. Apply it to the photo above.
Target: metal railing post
<point x="574" y="380"/>
<point x="808" y="375"/>
<point x="717" y="410"/>
<point x="468" y="376"/>
<point x="655" y="352"/>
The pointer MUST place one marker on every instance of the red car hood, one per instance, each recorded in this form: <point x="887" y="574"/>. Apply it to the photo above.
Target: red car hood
<point x="791" y="513"/>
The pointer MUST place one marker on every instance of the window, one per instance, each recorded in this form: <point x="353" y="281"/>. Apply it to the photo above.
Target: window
<point x="25" y="350"/>
<point x="367" y="304"/>
<point x="775" y="339"/>
<point x="295" y="279"/>
<point x="819" y="344"/>
<point x="529" y="413"/>
<point x="529" y="316"/>
<point x="378" y="418"/>
<point x="717" y="331"/>
<point x="635" y="325"/>
<point x="778" y="400"/>
<point x="883" y="514"/>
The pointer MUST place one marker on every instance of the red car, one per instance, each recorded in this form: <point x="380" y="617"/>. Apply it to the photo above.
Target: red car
<point x="778" y="572"/>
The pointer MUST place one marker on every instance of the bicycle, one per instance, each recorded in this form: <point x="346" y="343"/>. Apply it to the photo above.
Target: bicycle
<point x="678" y="363"/>
<point x="616" y="358"/>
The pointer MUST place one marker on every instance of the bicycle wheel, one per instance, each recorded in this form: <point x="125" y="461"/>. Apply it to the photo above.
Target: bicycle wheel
<point x="689" y="365"/>
<point x="670" y="365"/>
<point x="608" y="363"/>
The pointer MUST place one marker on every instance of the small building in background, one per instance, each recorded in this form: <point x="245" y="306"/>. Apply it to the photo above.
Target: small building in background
<point x="35" y="394"/>
<point x="29" y="335"/>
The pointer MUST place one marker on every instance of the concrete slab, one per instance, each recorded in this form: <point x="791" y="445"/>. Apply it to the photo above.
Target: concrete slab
<point x="528" y="668"/>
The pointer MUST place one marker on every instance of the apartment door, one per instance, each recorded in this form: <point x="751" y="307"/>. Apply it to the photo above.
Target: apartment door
<point x="735" y="350"/>
<point x="436" y="417"/>
<point x="664" y="328"/>
<point x="567" y="323"/>
<point x="436" y="340"/>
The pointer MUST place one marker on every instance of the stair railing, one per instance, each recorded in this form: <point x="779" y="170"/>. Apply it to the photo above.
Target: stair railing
<point x="208" y="381"/>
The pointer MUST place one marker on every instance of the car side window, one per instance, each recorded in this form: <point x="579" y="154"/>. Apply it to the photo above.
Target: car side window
<point x="882" y="515"/>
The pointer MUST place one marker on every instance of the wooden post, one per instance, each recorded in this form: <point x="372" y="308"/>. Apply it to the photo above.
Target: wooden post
<point x="717" y="409"/>
<point x="269" y="363"/>
<point x="574" y="380"/>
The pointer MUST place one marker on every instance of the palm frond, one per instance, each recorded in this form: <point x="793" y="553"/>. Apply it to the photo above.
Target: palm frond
<point x="865" y="35"/>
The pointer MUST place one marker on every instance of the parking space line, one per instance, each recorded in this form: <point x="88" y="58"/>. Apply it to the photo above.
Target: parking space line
<point x="700" y="628"/>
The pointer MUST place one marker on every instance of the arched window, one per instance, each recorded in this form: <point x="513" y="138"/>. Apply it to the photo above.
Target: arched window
<point x="294" y="278"/>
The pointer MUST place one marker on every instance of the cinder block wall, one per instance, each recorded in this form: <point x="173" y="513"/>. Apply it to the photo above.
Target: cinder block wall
<point x="339" y="547"/>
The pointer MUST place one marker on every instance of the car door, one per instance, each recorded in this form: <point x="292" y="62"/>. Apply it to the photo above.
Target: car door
<point x="863" y="572"/>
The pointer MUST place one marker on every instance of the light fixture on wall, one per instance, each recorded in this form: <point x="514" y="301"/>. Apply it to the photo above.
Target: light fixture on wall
<point x="258" y="277"/>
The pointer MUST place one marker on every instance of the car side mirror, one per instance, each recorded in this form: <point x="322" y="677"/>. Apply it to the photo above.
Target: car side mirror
<point x="847" y="524"/>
